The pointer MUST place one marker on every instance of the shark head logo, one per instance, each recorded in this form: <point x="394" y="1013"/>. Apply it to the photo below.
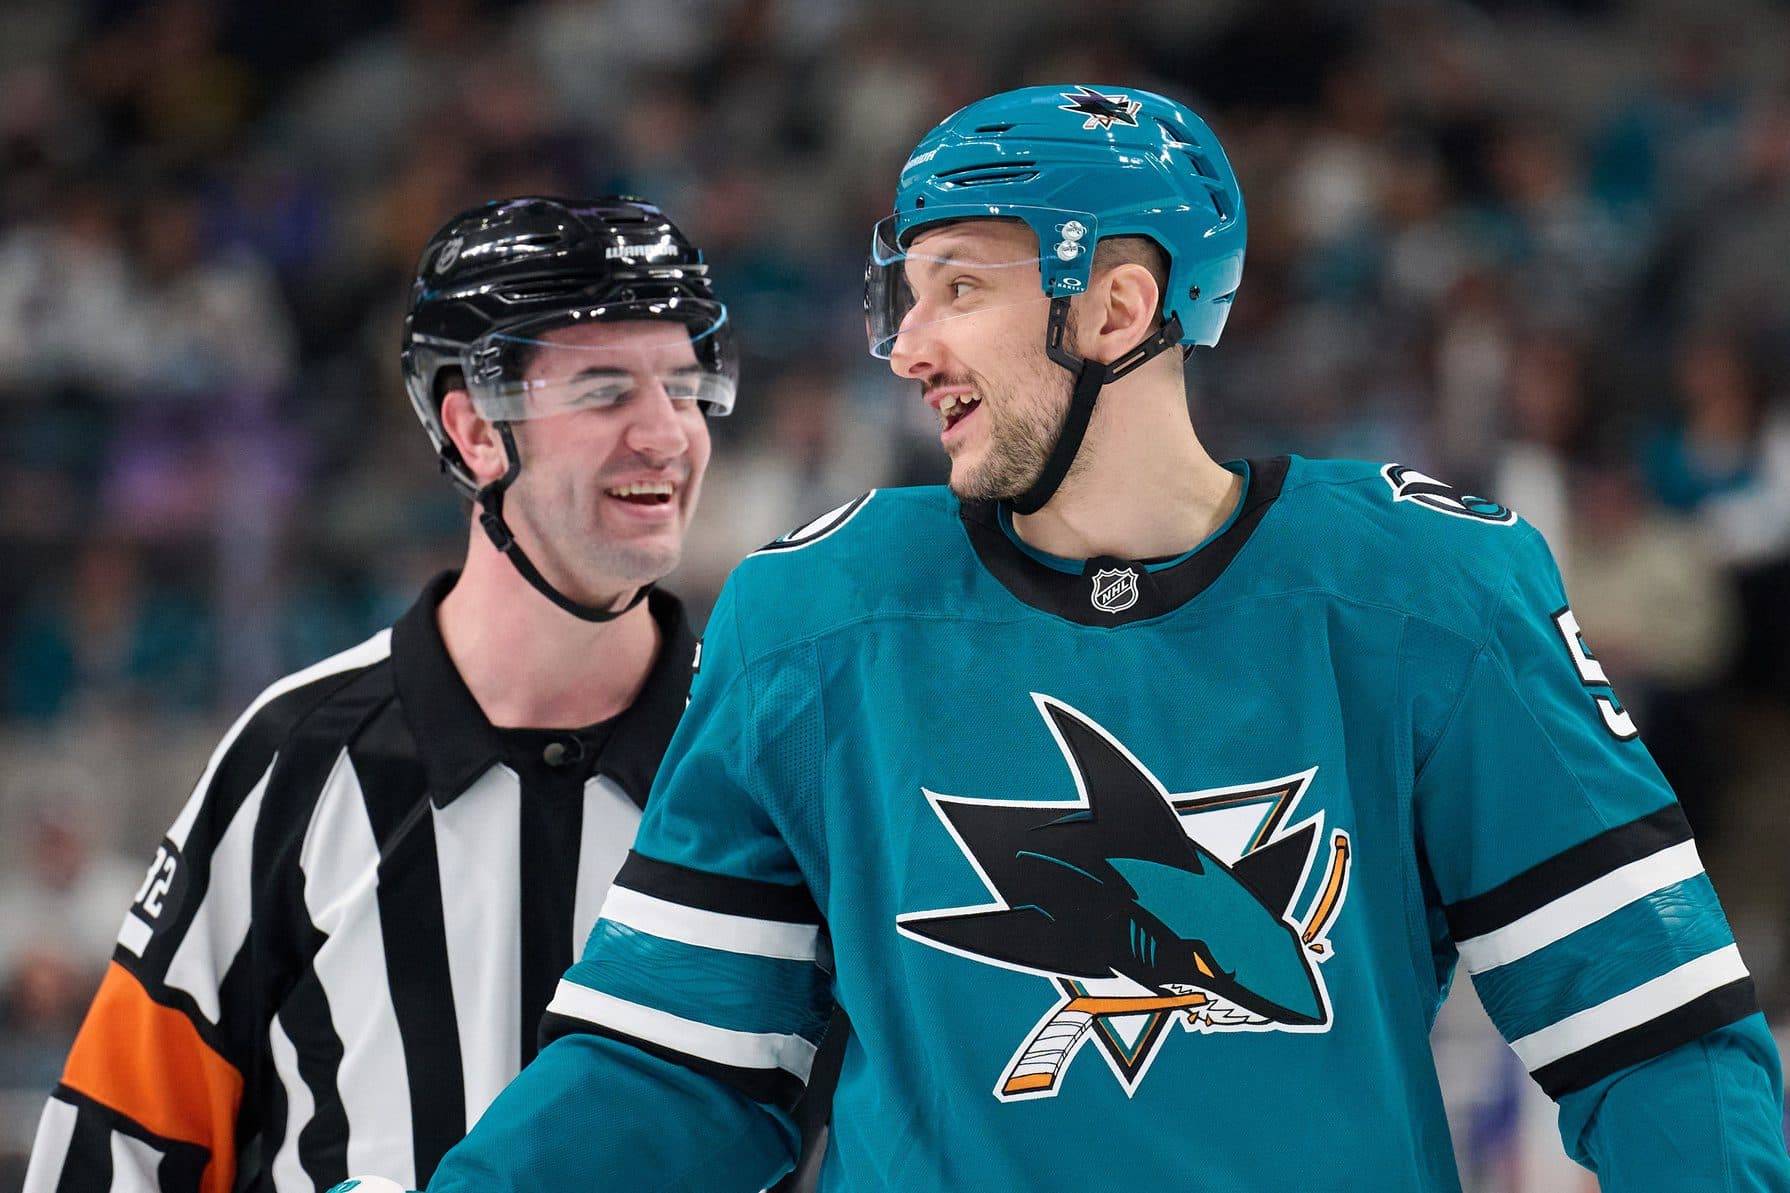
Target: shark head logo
<point x="1101" y="111"/>
<point x="1142" y="907"/>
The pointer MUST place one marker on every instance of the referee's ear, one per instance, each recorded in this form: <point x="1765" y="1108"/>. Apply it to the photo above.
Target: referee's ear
<point x="476" y="439"/>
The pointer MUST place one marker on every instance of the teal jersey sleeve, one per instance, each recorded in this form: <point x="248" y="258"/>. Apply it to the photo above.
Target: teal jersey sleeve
<point x="1572" y="889"/>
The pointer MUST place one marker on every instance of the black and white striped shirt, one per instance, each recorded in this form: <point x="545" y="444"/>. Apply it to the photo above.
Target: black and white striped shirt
<point x="343" y="948"/>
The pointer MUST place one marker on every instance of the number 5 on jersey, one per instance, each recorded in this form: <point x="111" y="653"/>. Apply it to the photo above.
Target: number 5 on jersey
<point x="1591" y="674"/>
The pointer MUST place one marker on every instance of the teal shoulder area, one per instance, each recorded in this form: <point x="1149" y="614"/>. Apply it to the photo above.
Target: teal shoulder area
<point x="867" y="555"/>
<point x="1392" y="535"/>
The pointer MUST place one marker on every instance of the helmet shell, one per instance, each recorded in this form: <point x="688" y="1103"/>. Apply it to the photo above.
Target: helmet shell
<point x="1137" y="163"/>
<point x="512" y="261"/>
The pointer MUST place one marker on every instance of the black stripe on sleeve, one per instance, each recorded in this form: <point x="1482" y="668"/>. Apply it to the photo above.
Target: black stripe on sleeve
<point x="771" y="1087"/>
<point x="721" y="893"/>
<point x="1566" y="872"/>
<point x="323" y="1140"/>
<point x="88" y="1167"/>
<point x="1718" y="1008"/>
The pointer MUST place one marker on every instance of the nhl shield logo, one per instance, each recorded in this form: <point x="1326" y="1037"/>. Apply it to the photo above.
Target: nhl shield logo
<point x="1115" y="589"/>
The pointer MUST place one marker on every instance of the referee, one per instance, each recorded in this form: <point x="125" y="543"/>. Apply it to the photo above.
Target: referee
<point x="342" y="950"/>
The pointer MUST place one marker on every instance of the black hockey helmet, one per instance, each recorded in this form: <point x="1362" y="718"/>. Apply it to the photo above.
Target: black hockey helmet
<point x="496" y="278"/>
<point x="496" y="282"/>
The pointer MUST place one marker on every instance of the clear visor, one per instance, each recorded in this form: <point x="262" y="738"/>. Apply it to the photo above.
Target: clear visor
<point x="580" y="360"/>
<point x="959" y="270"/>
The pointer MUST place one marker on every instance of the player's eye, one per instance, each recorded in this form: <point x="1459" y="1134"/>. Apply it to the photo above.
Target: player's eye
<point x="961" y="288"/>
<point x="590" y="397"/>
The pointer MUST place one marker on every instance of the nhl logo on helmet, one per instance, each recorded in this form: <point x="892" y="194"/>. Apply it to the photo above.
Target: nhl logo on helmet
<point x="1115" y="589"/>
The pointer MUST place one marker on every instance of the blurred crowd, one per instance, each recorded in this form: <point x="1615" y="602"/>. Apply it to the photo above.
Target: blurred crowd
<point x="1533" y="249"/>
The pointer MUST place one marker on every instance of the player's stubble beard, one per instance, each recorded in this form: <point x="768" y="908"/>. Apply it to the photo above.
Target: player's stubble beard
<point x="1024" y="418"/>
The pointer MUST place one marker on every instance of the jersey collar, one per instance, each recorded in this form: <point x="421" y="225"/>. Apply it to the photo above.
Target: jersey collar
<point x="458" y="744"/>
<point x="1106" y="591"/>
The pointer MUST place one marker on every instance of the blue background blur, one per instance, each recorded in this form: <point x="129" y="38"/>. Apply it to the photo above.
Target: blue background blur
<point x="1535" y="249"/>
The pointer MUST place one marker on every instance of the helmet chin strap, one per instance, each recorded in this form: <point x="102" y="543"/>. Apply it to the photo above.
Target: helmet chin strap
<point x="1090" y="376"/>
<point x="490" y="501"/>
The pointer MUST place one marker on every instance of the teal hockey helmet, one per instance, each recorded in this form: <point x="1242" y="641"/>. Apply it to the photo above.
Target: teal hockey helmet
<point x="1076" y="164"/>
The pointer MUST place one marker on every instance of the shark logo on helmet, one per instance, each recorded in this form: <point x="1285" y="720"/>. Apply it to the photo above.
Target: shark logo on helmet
<point x="1142" y="908"/>
<point x="1102" y="111"/>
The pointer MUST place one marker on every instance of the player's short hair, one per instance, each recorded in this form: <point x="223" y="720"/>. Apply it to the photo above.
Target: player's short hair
<point x="1114" y="251"/>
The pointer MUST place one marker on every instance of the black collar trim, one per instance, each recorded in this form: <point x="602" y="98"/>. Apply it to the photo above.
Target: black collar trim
<point x="457" y="743"/>
<point x="1146" y="594"/>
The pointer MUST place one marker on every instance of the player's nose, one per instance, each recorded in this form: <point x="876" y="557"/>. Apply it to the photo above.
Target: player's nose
<point x="915" y="353"/>
<point x="656" y="428"/>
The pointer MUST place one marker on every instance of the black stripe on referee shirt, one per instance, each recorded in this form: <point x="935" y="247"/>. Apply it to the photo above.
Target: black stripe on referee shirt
<point x="723" y="893"/>
<point x="1718" y="1008"/>
<point x="88" y="1167"/>
<point x="413" y="928"/>
<point x="551" y="811"/>
<point x="237" y="773"/>
<point x="772" y="1087"/>
<point x="1566" y="872"/>
<point x="306" y="760"/>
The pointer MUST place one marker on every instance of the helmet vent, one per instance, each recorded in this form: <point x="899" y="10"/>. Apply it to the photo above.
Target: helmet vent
<point x="993" y="128"/>
<point x="989" y="174"/>
<point x="544" y="289"/>
<point x="1218" y="206"/>
<point x="1202" y="165"/>
<point x="1173" y="131"/>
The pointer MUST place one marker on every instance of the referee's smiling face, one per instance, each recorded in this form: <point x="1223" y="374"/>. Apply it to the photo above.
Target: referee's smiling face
<point x="614" y="446"/>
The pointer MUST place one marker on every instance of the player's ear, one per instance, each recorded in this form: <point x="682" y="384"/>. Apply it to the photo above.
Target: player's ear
<point x="1118" y="312"/>
<point x="476" y="439"/>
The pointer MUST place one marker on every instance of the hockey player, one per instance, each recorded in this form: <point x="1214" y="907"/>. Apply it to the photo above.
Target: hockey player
<point x="1137" y="807"/>
<point x="343" y="949"/>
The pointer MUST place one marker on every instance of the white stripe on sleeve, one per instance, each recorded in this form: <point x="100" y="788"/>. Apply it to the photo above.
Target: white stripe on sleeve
<point x="1649" y="1000"/>
<point x="135" y="1165"/>
<point x="1581" y="908"/>
<point x="741" y="1049"/>
<point x="54" y="1131"/>
<point x="711" y="929"/>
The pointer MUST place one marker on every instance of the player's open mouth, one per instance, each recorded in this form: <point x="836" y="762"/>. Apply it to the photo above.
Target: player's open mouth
<point x="643" y="493"/>
<point x="954" y="408"/>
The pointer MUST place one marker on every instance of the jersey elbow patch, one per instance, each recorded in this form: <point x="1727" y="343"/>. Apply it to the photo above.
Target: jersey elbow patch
<point x="1606" y="955"/>
<point x="148" y="1063"/>
<point x="712" y="972"/>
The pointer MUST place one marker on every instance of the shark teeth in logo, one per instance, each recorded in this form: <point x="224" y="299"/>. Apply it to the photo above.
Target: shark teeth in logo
<point x="1142" y="908"/>
<point x="1102" y="111"/>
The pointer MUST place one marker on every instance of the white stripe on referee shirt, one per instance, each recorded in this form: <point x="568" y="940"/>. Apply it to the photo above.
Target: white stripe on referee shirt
<point x="711" y="929"/>
<point x="478" y="852"/>
<point x="377" y="647"/>
<point x="610" y="821"/>
<point x="222" y="921"/>
<point x="1581" y="908"/>
<point x="288" y="1170"/>
<point x="340" y="859"/>
<point x="54" y="1131"/>
<point x="741" y="1049"/>
<point x="1649" y="1000"/>
<point x="134" y="1165"/>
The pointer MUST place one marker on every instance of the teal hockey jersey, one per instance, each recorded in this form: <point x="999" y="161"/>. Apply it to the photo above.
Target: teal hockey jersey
<point x="1146" y="874"/>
